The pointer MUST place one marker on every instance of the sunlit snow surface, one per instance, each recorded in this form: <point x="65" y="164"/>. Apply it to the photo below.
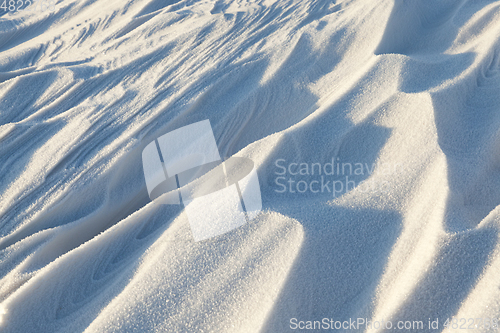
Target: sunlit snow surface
<point x="407" y="83"/>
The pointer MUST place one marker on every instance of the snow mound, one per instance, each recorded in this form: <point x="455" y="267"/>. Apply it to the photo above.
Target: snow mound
<point x="400" y="99"/>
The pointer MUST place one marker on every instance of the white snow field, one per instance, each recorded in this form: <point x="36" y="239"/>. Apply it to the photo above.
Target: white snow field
<point x="374" y="127"/>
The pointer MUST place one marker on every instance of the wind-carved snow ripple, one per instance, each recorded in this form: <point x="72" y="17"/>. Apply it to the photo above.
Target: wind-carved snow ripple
<point x="469" y="135"/>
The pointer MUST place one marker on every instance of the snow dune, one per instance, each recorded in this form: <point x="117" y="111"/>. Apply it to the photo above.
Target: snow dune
<point x="406" y="91"/>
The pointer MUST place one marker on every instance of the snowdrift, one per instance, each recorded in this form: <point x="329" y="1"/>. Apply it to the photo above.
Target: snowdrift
<point x="374" y="127"/>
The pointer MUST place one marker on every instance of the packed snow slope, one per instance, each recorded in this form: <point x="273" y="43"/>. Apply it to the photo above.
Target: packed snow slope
<point x="405" y="91"/>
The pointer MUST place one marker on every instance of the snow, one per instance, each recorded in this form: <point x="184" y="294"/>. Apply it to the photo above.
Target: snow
<point x="408" y="89"/>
